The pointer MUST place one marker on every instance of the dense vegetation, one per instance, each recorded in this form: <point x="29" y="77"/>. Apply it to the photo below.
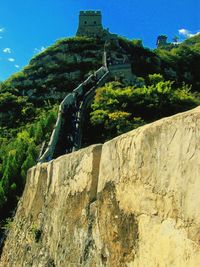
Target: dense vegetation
<point x="167" y="81"/>
<point x="47" y="79"/>
<point x="179" y="64"/>
<point x="28" y="108"/>
<point x="118" y="108"/>
<point x="19" y="151"/>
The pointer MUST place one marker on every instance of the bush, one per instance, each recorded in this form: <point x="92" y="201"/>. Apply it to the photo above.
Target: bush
<point x="117" y="109"/>
<point x="19" y="154"/>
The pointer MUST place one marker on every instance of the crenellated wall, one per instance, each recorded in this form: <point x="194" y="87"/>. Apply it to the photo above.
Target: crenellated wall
<point x="90" y="24"/>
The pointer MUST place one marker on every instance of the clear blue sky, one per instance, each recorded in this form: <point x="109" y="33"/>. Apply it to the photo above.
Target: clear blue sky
<point x="26" y="26"/>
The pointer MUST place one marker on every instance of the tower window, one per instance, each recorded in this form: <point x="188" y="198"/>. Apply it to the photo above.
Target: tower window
<point x="95" y="22"/>
<point x="85" y="22"/>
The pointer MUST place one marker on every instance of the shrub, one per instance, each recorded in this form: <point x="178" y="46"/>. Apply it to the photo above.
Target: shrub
<point x="118" y="109"/>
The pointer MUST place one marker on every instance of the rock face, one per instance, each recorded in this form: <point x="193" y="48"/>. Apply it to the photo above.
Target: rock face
<point x="132" y="202"/>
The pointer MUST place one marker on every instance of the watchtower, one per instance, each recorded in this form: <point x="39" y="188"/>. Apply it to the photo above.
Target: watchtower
<point x="161" y="40"/>
<point x="90" y="23"/>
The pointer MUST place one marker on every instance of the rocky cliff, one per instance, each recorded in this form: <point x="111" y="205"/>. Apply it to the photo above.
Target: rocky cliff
<point x="132" y="202"/>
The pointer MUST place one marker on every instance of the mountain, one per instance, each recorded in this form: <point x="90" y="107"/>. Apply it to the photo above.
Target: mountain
<point x="181" y="63"/>
<point x="163" y="83"/>
<point x="59" y="69"/>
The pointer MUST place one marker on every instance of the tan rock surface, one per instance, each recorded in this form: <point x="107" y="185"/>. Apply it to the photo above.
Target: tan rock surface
<point x="139" y="208"/>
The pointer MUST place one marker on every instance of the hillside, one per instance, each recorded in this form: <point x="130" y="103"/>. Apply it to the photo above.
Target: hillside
<point x="165" y="82"/>
<point x="62" y="66"/>
<point x="181" y="63"/>
<point x="48" y="77"/>
<point x="58" y="70"/>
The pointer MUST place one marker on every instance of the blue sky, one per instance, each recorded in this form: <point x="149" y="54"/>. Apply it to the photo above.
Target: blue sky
<point x="27" y="26"/>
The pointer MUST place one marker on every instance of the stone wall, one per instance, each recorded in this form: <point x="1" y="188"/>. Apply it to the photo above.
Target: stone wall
<point x="123" y="72"/>
<point x="132" y="202"/>
<point x="90" y="23"/>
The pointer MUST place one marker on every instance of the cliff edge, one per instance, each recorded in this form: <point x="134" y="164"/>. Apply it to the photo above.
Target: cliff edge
<point x="133" y="201"/>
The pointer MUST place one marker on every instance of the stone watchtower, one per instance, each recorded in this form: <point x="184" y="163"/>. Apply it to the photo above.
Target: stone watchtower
<point x="90" y="24"/>
<point x="161" y="40"/>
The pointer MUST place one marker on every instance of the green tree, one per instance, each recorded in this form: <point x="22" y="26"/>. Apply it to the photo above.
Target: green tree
<point x="155" y="78"/>
<point x="10" y="171"/>
<point x="117" y="109"/>
<point x="38" y="132"/>
<point x="2" y="196"/>
<point x="29" y="161"/>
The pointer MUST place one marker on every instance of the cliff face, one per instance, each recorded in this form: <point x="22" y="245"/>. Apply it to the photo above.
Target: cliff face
<point x="132" y="202"/>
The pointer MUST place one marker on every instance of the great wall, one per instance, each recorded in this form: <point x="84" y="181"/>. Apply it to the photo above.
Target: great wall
<point x="133" y="201"/>
<point x="67" y="134"/>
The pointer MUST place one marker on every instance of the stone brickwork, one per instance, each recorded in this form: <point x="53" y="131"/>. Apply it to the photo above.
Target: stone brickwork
<point x="90" y="24"/>
<point x="161" y="40"/>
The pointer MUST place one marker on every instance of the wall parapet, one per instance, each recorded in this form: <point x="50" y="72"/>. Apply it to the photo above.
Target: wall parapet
<point x="90" y="12"/>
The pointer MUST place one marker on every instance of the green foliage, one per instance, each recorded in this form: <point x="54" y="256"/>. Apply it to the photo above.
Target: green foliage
<point x="15" y="109"/>
<point x="182" y="63"/>
<point x="14" y="160"/>
<point x="99" y="116"/>
<point x="119" y="122"/>
<point x="27" y="98"/>
<point x="2" y="196"/>
<point x="117" y="109"/>
<point x="137" y="43"/>
<point x="36" y="233"/>
<point x="38" y="132"/>
<point x="130" y="43"/>
<point x="20" y="153"/>
<point x="30" y="160"/>
<point x="111" y="112"/>
<point x="194" y="41"/>
<point x="143" y="60"/>
<point x="48" y="77"/>
<point x="7" y="224"/>
<point x="155" y="78"/>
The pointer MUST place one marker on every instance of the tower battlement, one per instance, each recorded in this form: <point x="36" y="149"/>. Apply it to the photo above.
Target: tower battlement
<point x="90" y="24"/>
<point x="90" y="12"/>
<point x="161" y="40"/>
